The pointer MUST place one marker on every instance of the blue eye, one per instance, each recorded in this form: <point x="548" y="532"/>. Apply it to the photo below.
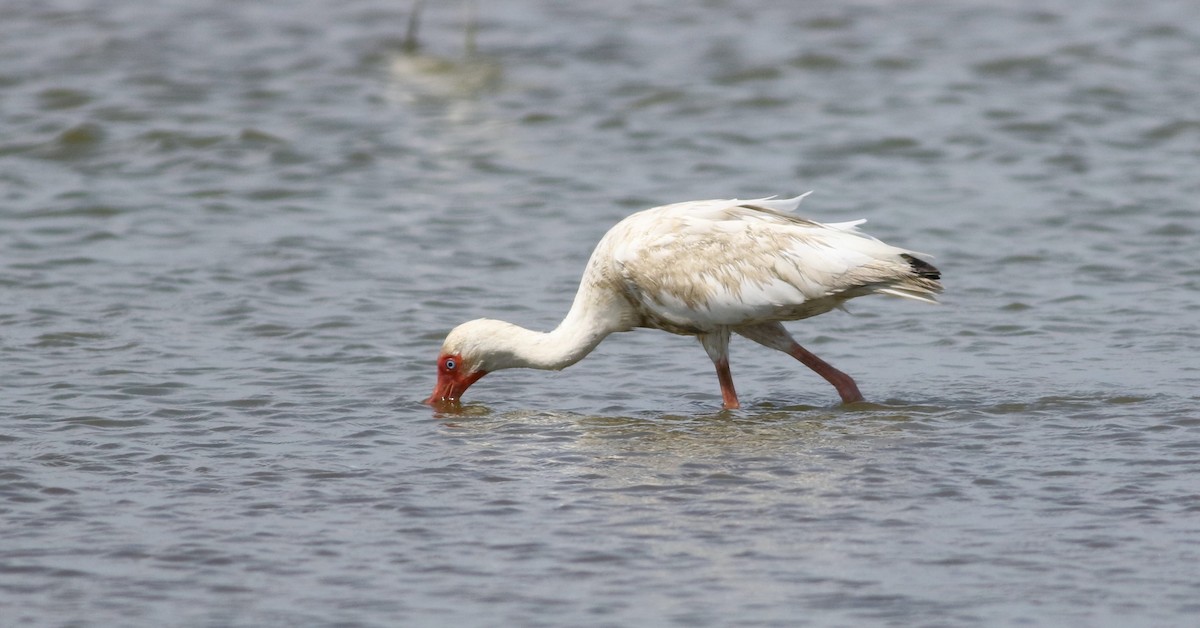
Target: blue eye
<point x="450" y="364"/>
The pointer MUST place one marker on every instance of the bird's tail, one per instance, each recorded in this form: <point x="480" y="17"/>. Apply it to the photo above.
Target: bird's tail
<point x="922" y="283"/>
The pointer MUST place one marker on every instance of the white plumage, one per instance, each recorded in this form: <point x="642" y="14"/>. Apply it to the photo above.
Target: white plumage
<point x="703" y="268"/>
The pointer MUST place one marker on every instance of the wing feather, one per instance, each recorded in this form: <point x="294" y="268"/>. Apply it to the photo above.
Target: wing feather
<point x="693" y="266"/>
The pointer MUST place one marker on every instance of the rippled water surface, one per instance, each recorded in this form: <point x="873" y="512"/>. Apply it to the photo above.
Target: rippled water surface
<point x="233" y="235"/>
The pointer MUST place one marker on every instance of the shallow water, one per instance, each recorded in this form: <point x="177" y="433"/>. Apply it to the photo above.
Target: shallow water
<point x="233" y="235"/>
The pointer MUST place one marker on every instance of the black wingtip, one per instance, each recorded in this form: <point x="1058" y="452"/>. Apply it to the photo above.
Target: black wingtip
<point x="922" y="268"/>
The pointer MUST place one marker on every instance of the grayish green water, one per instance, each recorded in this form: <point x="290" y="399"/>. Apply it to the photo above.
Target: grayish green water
<point x="232" y="236"/>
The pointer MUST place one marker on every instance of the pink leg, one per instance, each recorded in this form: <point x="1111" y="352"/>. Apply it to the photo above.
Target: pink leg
<point x="728" y="394"/>
<point x="842" y="382"/>
<point x="773" y="335"/>
<point x="716" y="344"/>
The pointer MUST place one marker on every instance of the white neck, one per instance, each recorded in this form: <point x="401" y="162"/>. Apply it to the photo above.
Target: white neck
<point x="591" y="319"/>
<point x="558" y="349"/>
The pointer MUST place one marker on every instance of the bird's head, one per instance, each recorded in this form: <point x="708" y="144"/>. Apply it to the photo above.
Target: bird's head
<point x="470" y="351"/>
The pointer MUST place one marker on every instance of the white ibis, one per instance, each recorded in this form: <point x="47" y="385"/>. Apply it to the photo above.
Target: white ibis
<point x="704" y="269"/>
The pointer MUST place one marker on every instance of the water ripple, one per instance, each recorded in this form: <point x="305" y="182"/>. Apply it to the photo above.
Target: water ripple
<point x="232" y="250"/>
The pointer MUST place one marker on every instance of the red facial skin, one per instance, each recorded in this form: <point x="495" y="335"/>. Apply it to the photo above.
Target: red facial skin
<point x="454" y="377"/>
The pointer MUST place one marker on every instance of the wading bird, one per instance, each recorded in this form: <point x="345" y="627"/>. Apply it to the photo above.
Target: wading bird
<point x="706" y="269"/>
